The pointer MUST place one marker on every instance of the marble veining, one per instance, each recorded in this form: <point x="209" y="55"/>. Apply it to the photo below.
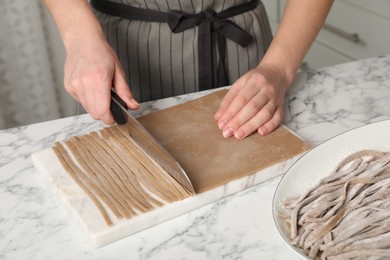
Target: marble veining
<point x="85" y="213"/>
<point x="319" y="105"/>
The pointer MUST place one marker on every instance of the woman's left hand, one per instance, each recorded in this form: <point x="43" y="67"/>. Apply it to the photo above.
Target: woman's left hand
<point x="255" y="102"/>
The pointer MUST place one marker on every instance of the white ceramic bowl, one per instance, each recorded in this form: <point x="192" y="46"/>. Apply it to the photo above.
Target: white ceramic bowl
<point x="321" y="160"/>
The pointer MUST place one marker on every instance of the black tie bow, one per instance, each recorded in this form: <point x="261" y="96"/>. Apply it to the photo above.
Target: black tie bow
<point x="210" y="22"/>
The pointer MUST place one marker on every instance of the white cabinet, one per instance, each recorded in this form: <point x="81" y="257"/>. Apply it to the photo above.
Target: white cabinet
<point x="321" y="56"/>
<point x="354" y="29"/>
<point x="378" y="7"/>
<point x="372" y="31"/>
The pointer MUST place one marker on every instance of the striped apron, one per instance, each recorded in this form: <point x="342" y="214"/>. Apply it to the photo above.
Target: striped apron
<point x="173" y="47"/>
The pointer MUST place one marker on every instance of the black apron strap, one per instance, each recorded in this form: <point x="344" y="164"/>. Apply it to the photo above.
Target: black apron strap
<point x="213" y="28"/>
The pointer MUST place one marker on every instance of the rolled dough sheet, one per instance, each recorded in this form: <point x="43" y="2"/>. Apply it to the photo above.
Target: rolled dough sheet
<point x="217" y="167"/>
<point x="189" y="132"/>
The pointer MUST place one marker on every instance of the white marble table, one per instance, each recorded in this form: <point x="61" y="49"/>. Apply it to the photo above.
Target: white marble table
<point x="319" y="105"/>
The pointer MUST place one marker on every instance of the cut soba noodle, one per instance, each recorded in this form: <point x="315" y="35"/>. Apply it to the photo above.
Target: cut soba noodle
<point x="116" y="175"/>
<point x="347" y="214"/>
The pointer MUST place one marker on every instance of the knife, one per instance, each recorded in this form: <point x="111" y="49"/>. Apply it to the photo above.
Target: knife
<point x="147" y="142"/>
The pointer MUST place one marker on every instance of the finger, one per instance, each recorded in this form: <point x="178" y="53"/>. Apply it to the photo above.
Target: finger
<point x="83" y="102"/>
<point x="74" y="96"/>
<point x="247" y="99"/>
<point x="272" y="124"/>
<point x="100" y="101"/>
<point x="122" y="88"/>
<point x="70" y="87"/>
<point x="266" y="114"/>
<point x="233" y="91"/>
<point x="102" y="107"/>
<point x="246" y="113"/>
<point x="69" y="84"/>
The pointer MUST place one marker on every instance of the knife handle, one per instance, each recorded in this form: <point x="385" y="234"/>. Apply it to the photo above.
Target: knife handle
<point x="119" y="116"/>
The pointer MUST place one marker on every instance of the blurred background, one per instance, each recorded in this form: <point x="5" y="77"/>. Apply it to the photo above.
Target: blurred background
<point x="32" y="54"/>
<point x="31" y="66"/>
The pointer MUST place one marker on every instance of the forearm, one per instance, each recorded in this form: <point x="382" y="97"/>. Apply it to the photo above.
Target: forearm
<point x="74" y="19"/>
<point x="300" y="24"/>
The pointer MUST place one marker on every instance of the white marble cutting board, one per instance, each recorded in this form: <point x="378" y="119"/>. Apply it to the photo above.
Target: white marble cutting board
<point x="86" y="214"/>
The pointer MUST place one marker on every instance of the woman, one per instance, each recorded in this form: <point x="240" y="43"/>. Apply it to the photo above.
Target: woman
<point x="170" y="47"/>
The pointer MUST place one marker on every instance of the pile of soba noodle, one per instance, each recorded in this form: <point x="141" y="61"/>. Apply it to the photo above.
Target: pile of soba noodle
<point x="347" y="214"/>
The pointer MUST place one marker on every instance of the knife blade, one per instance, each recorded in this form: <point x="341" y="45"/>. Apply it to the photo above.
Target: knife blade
<point x="146" y="141"/>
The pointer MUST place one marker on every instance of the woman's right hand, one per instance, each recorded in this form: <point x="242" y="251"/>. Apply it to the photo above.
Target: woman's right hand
<point x="91" y="69"/>
<point x="91" y="66"/>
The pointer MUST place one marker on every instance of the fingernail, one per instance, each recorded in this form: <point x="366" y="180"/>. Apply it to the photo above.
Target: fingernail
<point x="260" y="131"/>
<point x="239" y="134"/>
<point x="228" y="132"/>
<point x="221" y="124"/>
